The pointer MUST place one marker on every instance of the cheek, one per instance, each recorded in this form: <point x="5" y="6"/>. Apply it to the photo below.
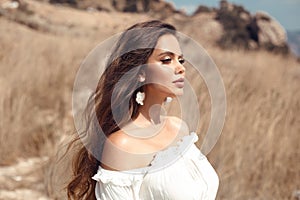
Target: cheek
<point x="159" y="74"/>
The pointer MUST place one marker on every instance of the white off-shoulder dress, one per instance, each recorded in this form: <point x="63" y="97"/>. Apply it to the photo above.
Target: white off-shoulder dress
<point x="179" y="172"/>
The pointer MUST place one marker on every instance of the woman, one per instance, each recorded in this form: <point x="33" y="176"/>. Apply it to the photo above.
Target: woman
<point x="146" y="155"/>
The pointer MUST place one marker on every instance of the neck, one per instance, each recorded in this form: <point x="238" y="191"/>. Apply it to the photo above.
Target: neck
<point x="151" y="109"/>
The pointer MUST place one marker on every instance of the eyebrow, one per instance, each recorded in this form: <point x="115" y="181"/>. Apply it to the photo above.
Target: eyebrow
<point x="169" y="53"/>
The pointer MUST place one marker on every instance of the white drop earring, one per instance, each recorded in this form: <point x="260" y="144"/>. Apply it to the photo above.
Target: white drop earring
<point x="168" y="99"/>
<point x="140" y="96"/>
<point x="142" y="78"/>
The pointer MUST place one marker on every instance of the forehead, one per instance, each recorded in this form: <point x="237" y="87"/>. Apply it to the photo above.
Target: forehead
<point x="168" y="42"/>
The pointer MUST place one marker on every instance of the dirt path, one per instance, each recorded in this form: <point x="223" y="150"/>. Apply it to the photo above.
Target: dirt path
<point x="24" y="180"/>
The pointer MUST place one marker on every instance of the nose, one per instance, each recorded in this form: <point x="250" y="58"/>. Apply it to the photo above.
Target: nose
<point x="179" y="69"/>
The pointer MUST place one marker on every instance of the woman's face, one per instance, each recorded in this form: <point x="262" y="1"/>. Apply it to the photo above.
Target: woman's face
<point x="165" y="71"/>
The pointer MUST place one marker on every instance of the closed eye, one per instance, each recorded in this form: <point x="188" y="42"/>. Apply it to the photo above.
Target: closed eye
<point x="166" y="60"/>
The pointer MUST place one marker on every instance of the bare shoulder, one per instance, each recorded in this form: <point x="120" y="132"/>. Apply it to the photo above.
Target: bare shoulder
<point x="120" y="140"/>
<point x="179" y="124"/>
<point x="123" y="152"/>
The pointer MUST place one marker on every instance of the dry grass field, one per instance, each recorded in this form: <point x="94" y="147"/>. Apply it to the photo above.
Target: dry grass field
<point x="257" y="156"/>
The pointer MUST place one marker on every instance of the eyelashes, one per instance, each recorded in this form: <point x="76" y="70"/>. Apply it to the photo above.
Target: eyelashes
<point x="166" y="60"/>
<point x="169" y="60"/>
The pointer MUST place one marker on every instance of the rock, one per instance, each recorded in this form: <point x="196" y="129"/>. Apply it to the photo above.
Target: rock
<point x="225" y="5"/>
<point x="132" y="5"/>
<point x="103" y="5"/>
<point x="159" y="7"/>
<point x="269" y="30"/>
<point x="204" y="22"/>
<point x="163" y="9"/>
<point x="67" y="2"/>
<point x="243" y="30"/>
<point x="235" y="20"/>
<point x="202" y="9"/>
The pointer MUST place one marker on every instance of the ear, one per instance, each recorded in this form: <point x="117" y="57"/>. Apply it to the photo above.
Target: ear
<point x="142" y="76"/>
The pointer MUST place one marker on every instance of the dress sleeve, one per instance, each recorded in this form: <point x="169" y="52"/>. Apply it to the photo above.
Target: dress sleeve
<point x="115" y="185"/>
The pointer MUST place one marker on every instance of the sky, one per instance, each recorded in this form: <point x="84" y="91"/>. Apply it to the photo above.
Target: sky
<point x="286" y="12"/>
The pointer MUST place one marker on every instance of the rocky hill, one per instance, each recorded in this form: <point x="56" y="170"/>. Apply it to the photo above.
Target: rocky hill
<point x="229" y="26"/>
<point x="251" y="32"/>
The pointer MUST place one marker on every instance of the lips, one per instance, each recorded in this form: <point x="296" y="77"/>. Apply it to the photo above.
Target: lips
<point x="179" y="82"/>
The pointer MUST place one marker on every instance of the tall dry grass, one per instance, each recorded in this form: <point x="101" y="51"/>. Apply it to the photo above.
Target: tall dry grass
<point x="256" y="156"/>
<point x="36" y="75"/>
<point x="258" y="153"/>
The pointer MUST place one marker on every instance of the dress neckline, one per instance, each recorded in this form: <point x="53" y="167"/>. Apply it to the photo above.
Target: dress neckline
<point x="165" y="157"/>
<point x="169" y="155"/>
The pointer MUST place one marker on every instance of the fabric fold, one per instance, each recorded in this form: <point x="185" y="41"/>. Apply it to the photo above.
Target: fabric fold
<point x="117" y="178"/>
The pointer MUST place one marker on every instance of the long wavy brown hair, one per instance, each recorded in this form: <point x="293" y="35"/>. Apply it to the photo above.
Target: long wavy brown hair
<point x="99" y="116"/>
